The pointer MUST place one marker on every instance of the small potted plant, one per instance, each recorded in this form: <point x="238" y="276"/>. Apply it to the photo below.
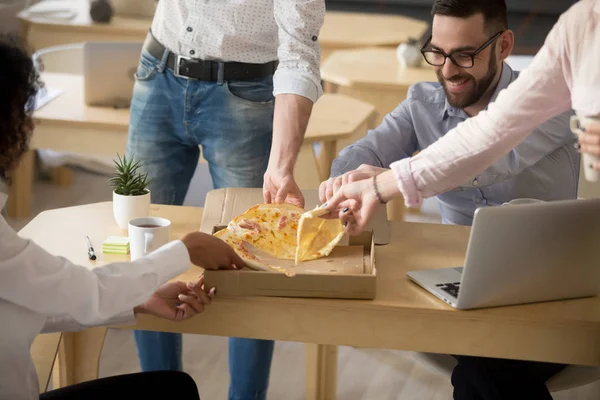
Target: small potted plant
<point x="131" y="197"/>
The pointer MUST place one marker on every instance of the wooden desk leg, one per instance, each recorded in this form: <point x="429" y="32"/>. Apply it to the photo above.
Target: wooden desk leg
<point x="24" y="31"/>
<point x="62" y="176"/>
<point x="321" y="371"/>
<point x="78" y="357"/>
<point x="19" y="191"/>
<point x="44" y="350"/>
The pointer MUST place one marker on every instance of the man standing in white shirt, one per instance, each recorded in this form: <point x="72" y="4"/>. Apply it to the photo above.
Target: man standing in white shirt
<point x="208" y="76"/>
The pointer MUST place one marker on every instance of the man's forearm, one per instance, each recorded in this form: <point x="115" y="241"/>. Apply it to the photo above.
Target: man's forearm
<point x="353" y="157"/>
<point x="290" y="120"/>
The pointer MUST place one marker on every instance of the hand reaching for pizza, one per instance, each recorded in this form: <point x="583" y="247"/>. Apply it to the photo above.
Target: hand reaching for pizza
<point x="210" y="252"/>
<point x="328" y="188"/>
<point x="280" y="187"/>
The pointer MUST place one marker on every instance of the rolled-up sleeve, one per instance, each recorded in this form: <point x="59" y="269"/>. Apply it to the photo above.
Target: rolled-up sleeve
<point x="71" y="295"/>
<point x="299" y="23"/>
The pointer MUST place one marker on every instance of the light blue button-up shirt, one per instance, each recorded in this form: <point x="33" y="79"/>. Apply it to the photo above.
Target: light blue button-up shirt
<point x="544" y="166"/>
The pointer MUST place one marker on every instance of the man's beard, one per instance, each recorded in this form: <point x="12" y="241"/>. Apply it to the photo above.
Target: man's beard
<point x="479" y="88"/>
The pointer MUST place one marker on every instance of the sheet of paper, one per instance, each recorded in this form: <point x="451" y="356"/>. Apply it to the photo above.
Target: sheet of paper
<point x="45" y="96"/>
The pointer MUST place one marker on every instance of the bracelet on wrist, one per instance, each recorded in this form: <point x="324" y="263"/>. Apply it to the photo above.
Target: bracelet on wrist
<point x="377" y="193"/>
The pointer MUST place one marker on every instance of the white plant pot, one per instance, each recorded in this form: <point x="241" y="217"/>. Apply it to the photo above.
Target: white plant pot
<point x="126" y="208"/>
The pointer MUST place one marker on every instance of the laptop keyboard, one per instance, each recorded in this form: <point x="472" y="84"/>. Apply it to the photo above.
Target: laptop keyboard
<point x="450" y="288"/>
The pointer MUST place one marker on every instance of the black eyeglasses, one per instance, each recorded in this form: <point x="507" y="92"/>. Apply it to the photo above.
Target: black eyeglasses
<point x="462" y="59"/>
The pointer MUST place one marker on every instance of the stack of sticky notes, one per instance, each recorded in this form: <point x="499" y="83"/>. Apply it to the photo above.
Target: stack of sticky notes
<point x="116" y="245"/>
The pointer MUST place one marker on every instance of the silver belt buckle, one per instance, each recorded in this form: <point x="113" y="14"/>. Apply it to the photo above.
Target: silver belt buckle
<point x="178" y="59"/>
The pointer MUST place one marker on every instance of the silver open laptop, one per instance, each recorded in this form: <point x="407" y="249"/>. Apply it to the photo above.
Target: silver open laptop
<point x="522" y="254"/>
<point x="108" y="72"/>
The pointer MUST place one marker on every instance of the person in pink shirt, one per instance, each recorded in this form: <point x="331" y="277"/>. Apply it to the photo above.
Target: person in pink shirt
<point x="564" y="74"/>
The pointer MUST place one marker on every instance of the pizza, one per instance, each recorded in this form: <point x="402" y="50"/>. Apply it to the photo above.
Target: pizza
<point x="269" y="227"/>
<point x="316" y="237"/>
<point x="275" y="237"/>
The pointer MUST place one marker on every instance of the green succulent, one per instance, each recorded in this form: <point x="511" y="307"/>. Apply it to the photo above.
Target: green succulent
<point x="127" y="181"/>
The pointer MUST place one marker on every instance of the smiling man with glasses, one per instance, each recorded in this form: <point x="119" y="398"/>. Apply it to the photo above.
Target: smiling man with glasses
<point x="463" y="57"/>
<point x="469" y="43"/>
<point x="475" y="66"/>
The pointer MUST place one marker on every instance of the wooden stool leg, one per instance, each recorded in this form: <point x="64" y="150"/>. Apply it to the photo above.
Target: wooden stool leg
<point x="325" y="159"/>
<point x="306" y="171"/>
<point x="78" y="357"/>
<point x="329" y="87"/>
<point x="321" y="371"/>
<point x="62" y="176"/>
<point x="19" y="192"/>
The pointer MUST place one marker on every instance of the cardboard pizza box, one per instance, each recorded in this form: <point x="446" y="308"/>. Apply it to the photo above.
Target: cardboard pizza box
<point x="222" y="205"/>
<point x="349" y="272"/>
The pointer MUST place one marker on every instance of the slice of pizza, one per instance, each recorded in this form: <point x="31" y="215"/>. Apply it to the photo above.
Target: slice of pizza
<point x="316" y="236"/>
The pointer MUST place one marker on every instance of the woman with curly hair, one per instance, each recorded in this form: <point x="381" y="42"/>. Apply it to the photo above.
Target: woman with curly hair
<point x="19" y="84"/>
<point x="40" y="292"/>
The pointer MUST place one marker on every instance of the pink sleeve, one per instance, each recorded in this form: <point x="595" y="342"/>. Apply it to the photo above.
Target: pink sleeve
<point x="539" y="93"/>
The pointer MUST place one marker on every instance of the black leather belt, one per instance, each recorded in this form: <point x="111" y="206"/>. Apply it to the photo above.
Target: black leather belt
<point x="203" y="70"/>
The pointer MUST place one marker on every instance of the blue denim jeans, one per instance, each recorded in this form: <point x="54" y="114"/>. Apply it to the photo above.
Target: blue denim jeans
<point x="171" y="117"/>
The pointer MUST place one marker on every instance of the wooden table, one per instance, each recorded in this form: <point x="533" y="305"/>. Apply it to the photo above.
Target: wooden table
<point x="373" y="75"/>
<point x="347" y="30"/>
<point x="44" y="32"/>
<point x="341" y="30"/>
<point x="402" y="316"/>
<point x="67" y="124"/>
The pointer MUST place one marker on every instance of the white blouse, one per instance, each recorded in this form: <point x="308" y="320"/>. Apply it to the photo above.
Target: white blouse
<point x="40" y="292"/>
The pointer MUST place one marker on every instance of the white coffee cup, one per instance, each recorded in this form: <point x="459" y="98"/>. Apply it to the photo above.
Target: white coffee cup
<point x="523" y="200"/>
<point x="147" y="234"/>
<point x="578" y="125"/>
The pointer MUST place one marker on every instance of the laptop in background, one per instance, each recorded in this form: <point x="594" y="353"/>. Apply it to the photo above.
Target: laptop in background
<point x="522" y="254"/>
<point x="108" y="72"/>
